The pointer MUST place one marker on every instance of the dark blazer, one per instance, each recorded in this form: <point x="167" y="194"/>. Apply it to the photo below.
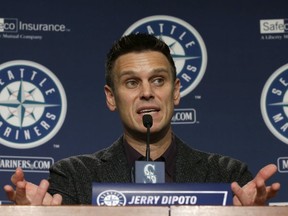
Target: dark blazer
<point x="72" y="177"/>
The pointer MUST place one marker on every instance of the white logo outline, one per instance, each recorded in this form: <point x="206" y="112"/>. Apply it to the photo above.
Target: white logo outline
<point x="111" y="198"/>
<point x="192" y="30"/>
<point x="58" y="125"/>
<point x="263" y="102"/>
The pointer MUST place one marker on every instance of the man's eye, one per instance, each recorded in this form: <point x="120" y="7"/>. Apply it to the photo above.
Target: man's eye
<point x="131" y="84"/>
<point x="158" y="81"/>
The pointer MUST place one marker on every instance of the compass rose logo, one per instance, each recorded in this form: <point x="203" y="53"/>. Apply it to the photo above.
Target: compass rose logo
<point x="274" y="103"/>
<point x="186" y="46"/>
<point x="32" y="104"/>
<point x="111" y="198"/>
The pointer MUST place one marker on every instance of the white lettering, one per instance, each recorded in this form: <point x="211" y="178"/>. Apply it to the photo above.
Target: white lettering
<point x="283" y="82"/>
<point x="42" y="27"/>
<point x="7" y="132"/>
<point x="42" y="82"/>
<point x="33" y="75"/>
<point x="182" y="35"/>
<point x="186" y="77"/>
<point x="277" y="92"/>
<point x="161" y="27"/>
<point x="179" y="200"/>
<point x="150" y="30"/>
<point x="144" y="200"/>
<point x="45" y="125"/>
<point x="190" y="44"/>
<point x="284" y="164"/>
<point x="27" y="134"/>
<point x="17" y="135"/>
<point x="50" y="91"/>
<point x="22" y="72"/>
<point x="278" y="117"/>
<point x="50" y="116"/>
<point x="191" y="68"/>
<point x="184" y="116"/>
<point x="37" y="131"/>
<point x="173" y="29"/>
<point x="25" y="164"/>
<point x="10" y="75"/>
<point x="284" y="127"/>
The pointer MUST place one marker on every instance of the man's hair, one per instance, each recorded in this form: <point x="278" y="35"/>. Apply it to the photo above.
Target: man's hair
<point x="139" y="42"/>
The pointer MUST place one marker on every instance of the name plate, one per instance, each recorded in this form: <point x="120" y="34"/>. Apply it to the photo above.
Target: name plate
<point x="126" y="194"/>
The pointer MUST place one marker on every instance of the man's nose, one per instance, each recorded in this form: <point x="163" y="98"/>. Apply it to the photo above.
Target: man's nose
<point x="147" y="90"/>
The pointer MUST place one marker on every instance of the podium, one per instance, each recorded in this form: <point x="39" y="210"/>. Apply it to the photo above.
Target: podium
<point x="229" y="210"/>
<point x="12" y="210"/>
<point x="81" y="210"/>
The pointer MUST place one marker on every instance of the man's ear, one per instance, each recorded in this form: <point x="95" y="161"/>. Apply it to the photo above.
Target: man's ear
<point x="110" y="99"/>
<point x="176" y="93"/>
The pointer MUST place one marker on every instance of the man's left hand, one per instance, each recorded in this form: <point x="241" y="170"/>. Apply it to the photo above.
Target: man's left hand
<point x="256" y="192"/>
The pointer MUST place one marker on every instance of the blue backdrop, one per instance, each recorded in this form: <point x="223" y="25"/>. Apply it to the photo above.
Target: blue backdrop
<point x="244" y="42"/>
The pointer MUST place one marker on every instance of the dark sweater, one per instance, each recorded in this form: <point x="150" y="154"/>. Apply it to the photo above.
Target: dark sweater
<point x="72" y="177"/>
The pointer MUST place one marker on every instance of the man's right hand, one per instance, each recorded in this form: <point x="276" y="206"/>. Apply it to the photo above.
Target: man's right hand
<point x="27" y="193"/>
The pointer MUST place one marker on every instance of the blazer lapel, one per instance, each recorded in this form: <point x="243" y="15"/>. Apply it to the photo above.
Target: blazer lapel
<point x="115" y="164"/>
<point x="189" y="165"/>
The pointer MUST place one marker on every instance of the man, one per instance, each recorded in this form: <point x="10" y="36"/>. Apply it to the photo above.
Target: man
<point x="141" y="79"/>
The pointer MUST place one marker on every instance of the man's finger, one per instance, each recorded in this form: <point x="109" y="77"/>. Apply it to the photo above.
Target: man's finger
<point x="56" y="200"/>
<point x="261" y="188"/>
<point x="273" y="190"/>
<point x="10" y="193"/>
<point x="266" y="172"/>
<point x="17" y="176"/>
<point x="20" y="197"/>
<point x="237" y="190"/>
<point x="40" y="193"/>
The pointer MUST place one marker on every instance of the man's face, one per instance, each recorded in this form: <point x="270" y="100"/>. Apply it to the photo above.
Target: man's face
<point x="143" y="85"/>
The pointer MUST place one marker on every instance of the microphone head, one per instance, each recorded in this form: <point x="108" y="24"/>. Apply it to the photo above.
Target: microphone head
<point x="147" y="120"/>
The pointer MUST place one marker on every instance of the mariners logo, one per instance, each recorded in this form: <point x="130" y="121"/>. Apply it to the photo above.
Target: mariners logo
<point x="274" y="103"/>
<point x="186" y="45"/>
<point x="32" y="104"/>
<point x="150" y="174"/>
<point x="111" y="198"/>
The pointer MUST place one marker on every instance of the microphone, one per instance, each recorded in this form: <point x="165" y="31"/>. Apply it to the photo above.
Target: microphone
<point x="149" y="171"/>
<point x="147" y="122"/>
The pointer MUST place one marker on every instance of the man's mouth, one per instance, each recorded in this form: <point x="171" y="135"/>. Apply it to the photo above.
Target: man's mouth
<point x="148" y="111"/>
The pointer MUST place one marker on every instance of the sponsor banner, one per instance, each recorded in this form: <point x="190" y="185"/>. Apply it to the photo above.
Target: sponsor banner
<point x="121" y="194"/>
<point x="274" y="29"/>
<point x="9" y="25"/>
<point x="13" y="28"/>
<point x="27" y="163"/>
<point x="273" y="26"/>
<point x="282" y="163"/>
<point x="184" y="116"/>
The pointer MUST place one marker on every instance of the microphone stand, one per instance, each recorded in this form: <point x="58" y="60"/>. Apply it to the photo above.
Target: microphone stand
<point x="148" y="144"/>
<point x="147" y="122"/>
